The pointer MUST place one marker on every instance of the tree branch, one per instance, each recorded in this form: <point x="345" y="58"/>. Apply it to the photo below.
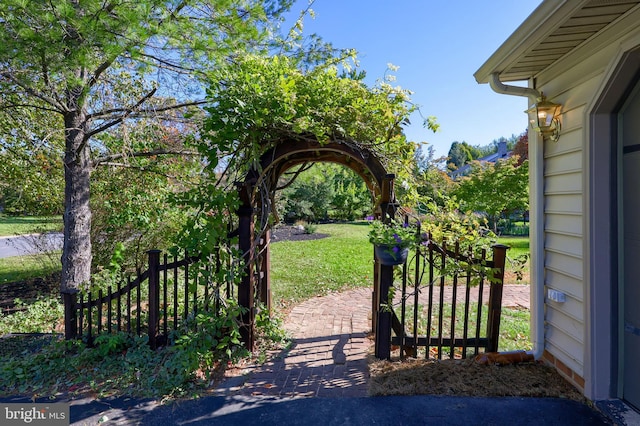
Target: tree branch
<point x="302" y="168"/>
<point x="108" y="159"/>
<point x="120" y="119"/>
<point x="167" y="64"/>
<point x="51" y="101"/>
<point x="38" y="107"/>
<point x="114" y="111"/>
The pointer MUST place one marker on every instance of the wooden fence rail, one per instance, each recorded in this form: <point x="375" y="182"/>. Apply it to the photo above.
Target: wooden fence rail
<point x="173" y="294"/>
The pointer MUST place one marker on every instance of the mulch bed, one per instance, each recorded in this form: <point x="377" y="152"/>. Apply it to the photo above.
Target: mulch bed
<point x="293" y="233"/>
<point x="467" y="378"/>
<point x="27" y="291"/>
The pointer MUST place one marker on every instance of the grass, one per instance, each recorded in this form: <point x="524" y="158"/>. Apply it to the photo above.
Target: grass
<point x="26" y="267"/>
<point x="301" y="270"/>
<point x="514" y="326"/>
<point x="519" y="247"/>
<point x="514" y="330"/>
<point x="20" y="225"/>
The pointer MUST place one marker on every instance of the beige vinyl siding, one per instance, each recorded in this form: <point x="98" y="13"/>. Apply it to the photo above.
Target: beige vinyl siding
<point x="573" y="85"/>
<point x="569" y="245"/>
<point x="571" y="286"/>
<point x="563" y="202"/>
<point x="564" y="346"/>
<point x="564" y="214"/>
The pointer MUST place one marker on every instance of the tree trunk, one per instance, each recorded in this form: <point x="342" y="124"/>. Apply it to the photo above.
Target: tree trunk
<point x="76" y="251"/>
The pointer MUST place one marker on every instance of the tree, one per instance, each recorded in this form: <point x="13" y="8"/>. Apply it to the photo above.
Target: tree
<point x="324" y="191"/>
<point x="131" y="203"/>
<point x="31" y="174"/>
<point x="460" y="153"/>
<point x="433" y="183"/>
<point x="96" y="64"/>
<point x="521" y="148"/>
<point x="495" y="188"/>
<point x="457" y="156"/>
<point x="352" y="199"/>
<point x="309" y="196"/>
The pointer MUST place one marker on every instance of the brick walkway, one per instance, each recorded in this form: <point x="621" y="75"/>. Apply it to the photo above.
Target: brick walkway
<point x="329" y="354"/>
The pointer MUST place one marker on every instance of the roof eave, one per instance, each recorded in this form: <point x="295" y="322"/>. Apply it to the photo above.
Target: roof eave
<point x="542" y="21"/>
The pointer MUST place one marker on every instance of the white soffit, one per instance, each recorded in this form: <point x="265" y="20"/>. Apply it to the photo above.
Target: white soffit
<point x="552" y="31"/>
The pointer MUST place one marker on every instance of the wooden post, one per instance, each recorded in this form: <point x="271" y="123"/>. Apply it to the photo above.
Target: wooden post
<point x="70" y="315"/>
<point x="265" y="270"/>
<point x="154" y="296"/>
<point x="495" y="296"/>
<point x="375" y="294"/>
<point x="246" y="286"/>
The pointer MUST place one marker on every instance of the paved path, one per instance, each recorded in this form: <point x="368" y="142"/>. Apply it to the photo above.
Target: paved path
<point x="30" y="244"/>
<point x="329" y="356"/>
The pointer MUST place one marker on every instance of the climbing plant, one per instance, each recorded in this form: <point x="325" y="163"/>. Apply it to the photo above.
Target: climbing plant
<point x="256" y="102"/>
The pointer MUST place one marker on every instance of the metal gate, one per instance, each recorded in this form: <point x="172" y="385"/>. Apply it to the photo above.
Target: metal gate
<point x="445" y="301"/>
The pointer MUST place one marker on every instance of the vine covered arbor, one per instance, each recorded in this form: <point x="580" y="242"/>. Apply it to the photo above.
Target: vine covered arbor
<point x="269" y="117"/>
<point x="256" y="195"/>
<point x="268" y="120"/>
<point x="438" y="269"/>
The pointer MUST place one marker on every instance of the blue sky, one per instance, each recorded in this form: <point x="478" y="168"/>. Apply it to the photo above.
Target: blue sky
<point x="437" y="45"/>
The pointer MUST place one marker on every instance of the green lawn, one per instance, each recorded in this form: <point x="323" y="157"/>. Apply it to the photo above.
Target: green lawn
<point x="519" y="246"/>
<point x="304" y="269"/>
<point x="20" y="268"/>
<point x="18" y="225"/>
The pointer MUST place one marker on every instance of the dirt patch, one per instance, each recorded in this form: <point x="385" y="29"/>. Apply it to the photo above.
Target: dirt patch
<point x="28" y="291"/>
<point x="467" y="378"/>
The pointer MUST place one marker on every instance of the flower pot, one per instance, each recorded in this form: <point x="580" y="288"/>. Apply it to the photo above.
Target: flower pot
<point x="387" y="256"/>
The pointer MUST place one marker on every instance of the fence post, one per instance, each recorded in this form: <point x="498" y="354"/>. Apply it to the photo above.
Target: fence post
<point x="154" y="296"/>
<point x="383" y="277"/>
<point x="383" y="329"/>
<point x="495" y="296"/>
<point x="70" y="315"/>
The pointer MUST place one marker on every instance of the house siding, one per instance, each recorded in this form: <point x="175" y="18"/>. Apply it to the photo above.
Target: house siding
<point x="573" y="183"/>
<point x="564" y="212"/>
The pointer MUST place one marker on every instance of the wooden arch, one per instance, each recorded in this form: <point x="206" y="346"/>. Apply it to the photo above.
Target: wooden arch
<point x="256" y="194"/>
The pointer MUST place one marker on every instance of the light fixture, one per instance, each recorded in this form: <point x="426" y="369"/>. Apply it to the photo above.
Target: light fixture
<point x="544" y="118"/>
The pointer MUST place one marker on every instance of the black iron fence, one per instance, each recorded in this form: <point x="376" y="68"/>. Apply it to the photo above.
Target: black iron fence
<point x="153" y="302"/>
<point x="448" y="302"/>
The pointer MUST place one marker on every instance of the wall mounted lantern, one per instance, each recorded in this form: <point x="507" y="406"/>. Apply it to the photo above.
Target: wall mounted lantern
<point x="544" y="118"/>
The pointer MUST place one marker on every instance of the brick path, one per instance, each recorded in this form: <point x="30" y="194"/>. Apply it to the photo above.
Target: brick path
<point x="329" y="354"/>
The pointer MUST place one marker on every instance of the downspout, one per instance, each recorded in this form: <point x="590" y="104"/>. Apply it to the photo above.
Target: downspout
<point x="499" y="87"/>
<point x="536" y="223"/>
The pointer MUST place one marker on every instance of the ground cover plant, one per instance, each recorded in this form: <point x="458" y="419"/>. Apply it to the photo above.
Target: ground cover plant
<point x="333" y="258"/>
<point x="118" y="364"/>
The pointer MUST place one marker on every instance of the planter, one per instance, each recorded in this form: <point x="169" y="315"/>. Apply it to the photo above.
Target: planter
<point x="386" y="255"/>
